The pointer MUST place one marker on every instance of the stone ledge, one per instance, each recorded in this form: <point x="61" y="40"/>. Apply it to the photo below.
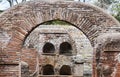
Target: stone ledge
<point x="10" y="63"/>
<point x="59" y="76"/>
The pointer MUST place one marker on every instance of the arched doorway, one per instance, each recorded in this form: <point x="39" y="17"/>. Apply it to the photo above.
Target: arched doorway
<point x="48" y="70"/>
<point x="65" y="48"/>
<point x="48" y="48"/>
<point x="65" y="70"/>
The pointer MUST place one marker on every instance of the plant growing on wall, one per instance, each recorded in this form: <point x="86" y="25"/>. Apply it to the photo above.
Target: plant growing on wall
<point x="56" y="22"/>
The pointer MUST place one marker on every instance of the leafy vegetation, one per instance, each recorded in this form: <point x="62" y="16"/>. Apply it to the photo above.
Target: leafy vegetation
<point x="113" y="6"/>
<point x="116" y="11"/>
<point x="56" y="22"/>
<point x="117" y="17"/>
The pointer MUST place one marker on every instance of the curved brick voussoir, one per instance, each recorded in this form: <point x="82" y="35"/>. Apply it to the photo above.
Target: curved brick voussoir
<point x="24" y="17"/>
<point x="21" y="19"/>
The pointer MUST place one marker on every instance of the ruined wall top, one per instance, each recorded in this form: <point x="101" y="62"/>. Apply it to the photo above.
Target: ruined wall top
<point x="52" y="1"/>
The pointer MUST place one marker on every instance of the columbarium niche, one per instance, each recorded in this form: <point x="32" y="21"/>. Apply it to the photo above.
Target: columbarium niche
<point x="65" y="70"/>
<point x="48" y="70"/>
<point x="48" y="48"/>
<point x="65" y="48"/>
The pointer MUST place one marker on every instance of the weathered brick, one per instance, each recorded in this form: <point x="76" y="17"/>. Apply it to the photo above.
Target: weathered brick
<point x="31" y="14"/>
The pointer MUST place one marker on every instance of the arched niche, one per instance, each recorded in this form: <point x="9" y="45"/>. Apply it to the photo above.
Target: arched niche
<point x="65" y="70"/>
<point x="48" y="70"/>
<point x="65" y="48"/>
<point x="48" y="48"/>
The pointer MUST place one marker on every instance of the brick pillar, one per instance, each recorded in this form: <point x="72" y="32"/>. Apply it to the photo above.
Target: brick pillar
<point x="94" y="74"/>
<point x="29" y="56"/>
<point x="117" y="70"/>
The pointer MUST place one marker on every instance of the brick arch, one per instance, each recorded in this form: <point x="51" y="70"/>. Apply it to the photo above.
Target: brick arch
<point x="19" y="20"/>
<point x="51" y="21"/>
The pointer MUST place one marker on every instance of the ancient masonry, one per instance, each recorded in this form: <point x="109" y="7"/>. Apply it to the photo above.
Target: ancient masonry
<point x="90" y="45"/>
<point x="52" y="40"/>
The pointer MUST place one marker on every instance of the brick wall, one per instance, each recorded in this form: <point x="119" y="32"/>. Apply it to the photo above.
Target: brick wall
<point x="19" y="20"/>
<point x="9" y="70"/>
<point x="29" y="56"/>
